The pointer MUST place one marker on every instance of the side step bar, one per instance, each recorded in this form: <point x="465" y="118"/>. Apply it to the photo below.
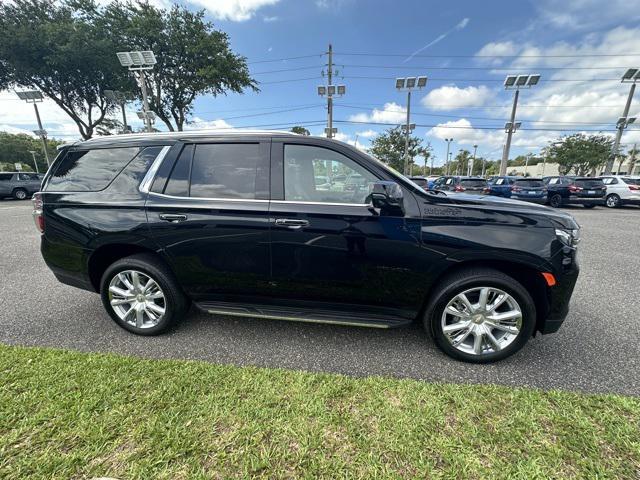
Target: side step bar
<point x="270" y="312"/>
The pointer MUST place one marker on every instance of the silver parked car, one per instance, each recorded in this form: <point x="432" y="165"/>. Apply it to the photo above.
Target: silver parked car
<point x="19" y="185"/>
<point x="622" y="190"/>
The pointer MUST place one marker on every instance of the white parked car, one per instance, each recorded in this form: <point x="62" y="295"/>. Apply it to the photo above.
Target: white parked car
<point x="622" y="190"/>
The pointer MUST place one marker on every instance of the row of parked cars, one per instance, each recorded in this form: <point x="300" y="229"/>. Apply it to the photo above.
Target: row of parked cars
<point x="556" y="191"/>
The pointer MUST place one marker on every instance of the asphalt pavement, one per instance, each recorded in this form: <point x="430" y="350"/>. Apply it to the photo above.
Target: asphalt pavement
<point x="596" y="350"/>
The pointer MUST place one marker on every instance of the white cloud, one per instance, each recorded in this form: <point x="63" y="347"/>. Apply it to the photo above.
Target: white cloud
<point x="200" y="124"/>
<point x="586" y="14"/>
<point x="271" y="19"/>
<point x="367" y="133"/>
<point x="234" y="10"/>
<point x="390" y="113"/>
<point x="451" y="97"/>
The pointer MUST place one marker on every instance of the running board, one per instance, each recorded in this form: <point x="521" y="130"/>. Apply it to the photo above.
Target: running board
<point x="270" y="312"/>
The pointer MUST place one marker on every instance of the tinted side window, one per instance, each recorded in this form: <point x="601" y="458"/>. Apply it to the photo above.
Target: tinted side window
<point x="89" y="170"/>
<point x="129" y="179"/>
<point x="178" y="184"/>
<point x="225" y="170"/>
<point x="5" y="177"/>
<point x="302" y="163"/>
<point x="28" y="177"/>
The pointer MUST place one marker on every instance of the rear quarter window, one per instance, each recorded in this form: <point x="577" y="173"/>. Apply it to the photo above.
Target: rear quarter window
<point x="5" y="177"/>
<point x="89" y="170"/>
<point x="129" y="179"/>
<point x="589" y="182"/>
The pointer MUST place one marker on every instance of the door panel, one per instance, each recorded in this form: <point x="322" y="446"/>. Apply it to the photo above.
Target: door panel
<point x="218" y="247"/>
<point x="328" y="246"/>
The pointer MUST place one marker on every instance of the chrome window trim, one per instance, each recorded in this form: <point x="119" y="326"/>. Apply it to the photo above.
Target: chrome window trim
<point x="209" y="198"/>
<point x="323" y="203"/>
<point x="145" y="185"/>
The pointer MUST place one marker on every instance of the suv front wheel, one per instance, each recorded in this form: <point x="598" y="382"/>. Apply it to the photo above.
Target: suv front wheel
<point x="141" y="295"/>
<point x="480" y="316"/>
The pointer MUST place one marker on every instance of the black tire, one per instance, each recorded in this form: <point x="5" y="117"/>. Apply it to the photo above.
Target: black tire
<point x="20" y="194"/>
<point x="589" y="205"/>
<point x="176" y="303"/>
<point x="463" y="280"/>
<point x="613" y="201"/>
<point x="555" y="200"/>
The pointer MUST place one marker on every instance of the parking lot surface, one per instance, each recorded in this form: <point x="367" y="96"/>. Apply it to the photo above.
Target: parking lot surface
<point x="596" y="350"/>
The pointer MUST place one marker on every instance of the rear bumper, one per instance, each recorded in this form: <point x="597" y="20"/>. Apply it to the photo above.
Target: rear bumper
<point x="585" y="201"/>
<point x="532" y="199"/>
<point x="67" y="264"/>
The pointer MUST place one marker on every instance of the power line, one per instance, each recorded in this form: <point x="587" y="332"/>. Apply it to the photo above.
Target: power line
<point x="314" y="67"/>
<point x="453" y="106"/>
<point x="289" y="80"/>
<point x="272" y="112"/>
<point x="405" y="55"/>
<point x="464" y="127"/>
<point x="318" y="55"/>
<point x="396" y="67"/>
<point x="487" y="80"/>
<point x="481" y="118"/>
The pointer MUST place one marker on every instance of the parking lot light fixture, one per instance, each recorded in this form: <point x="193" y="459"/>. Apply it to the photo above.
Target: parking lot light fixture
<point x="515" y="82"/>
<point x="35" y="97"/>
<point x="632" y="75"/>
<point x="408" y="84"/>
<point x="138" y="62"/>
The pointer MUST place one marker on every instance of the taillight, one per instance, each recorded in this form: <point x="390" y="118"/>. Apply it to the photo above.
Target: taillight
<point x="38" y="216"/>
<point x="516" y="189"/>
<point x="574" y="189"/>
<point x="459" y="188"/>
<point x="634" y="187"/>
<point x="486" y="189"/>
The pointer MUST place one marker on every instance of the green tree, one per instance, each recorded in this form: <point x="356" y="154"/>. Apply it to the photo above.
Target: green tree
<point x="580" y="153"/>
<point x="389" y="148"/>
<point x="193" y="57"/>
<point x="17" y="148"/>
<point x="64" y="50"/>
<point x="300" y="130"/>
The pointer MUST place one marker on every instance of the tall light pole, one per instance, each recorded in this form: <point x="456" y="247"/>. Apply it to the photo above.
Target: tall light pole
<point x="631" y="76"/>
<point x="514" y="82"/>
<point x="138" y="62"/>
<point x="35" y="164"/>
<point x="407" y="84"/>
<point x="473" y="160"/>
<point x="35" y="97"/>
<point x="120" y="99"/>
<point x="447" y="159"/>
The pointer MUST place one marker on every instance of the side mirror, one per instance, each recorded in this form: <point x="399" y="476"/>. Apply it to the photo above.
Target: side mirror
<point x="387" y="196"/>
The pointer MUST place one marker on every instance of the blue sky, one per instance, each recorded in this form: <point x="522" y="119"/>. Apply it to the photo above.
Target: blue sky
<point x="461" y="47"/>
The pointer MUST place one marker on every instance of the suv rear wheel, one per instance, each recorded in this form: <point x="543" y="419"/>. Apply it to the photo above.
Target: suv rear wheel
<point x="20" y="194"/>
<point x="480" y="316"/>
<point x="555" y="200"/>
<point x="141" y="295"/>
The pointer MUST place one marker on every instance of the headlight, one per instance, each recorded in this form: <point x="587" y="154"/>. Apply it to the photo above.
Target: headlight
<point x="570" y="238"/>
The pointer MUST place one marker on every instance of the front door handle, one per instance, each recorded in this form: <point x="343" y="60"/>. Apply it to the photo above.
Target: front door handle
<point x="292" y="223"/>
<point x="172" y="217"/>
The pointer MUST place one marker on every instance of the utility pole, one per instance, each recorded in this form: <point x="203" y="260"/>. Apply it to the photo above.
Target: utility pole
<point x="406" y="133"/>
<point x="632" y="160"/>
<point x="43" y="134"/>
<point x="330" y="90"/>
<point x="631" y="76"/>
<point x="514" y="82"/>
<point x="447" y="159"/>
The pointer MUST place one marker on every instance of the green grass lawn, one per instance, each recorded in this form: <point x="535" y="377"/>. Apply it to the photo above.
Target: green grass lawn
<point x="74" y="415"/>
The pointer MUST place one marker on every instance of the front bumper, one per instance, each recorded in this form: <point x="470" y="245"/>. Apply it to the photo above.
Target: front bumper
<point x="559" y="295"/>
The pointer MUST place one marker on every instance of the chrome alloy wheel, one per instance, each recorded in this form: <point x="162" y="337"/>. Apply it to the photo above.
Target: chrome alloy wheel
<point x="481" y="320"/>
<point x="137" y="299"/>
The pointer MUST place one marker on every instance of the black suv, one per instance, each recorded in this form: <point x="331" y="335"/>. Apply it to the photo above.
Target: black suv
<point x="462" y="184"/>
<point x="282" y="226"/>
<point x="567" y="190"/>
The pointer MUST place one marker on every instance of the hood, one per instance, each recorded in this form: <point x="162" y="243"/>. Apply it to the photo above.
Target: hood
<point x="558" y="217"/>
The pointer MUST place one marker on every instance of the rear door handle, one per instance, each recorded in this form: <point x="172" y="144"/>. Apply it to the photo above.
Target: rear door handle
<point x="292" y="223"/>
<point x="172" y="217"/>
